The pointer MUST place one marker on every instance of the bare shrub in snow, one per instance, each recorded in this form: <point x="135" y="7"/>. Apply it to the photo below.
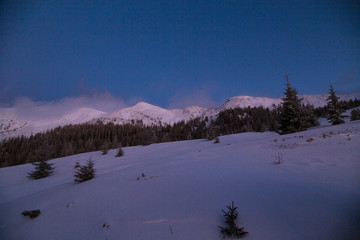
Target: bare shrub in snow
<point x="287" y="145"/>
<point x="325" y="136"/>
<point x="309" y="140"/>
<point x="279" y="158"/>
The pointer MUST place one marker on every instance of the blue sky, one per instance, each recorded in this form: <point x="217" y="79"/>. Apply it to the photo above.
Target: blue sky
<point x="174" y="53"/>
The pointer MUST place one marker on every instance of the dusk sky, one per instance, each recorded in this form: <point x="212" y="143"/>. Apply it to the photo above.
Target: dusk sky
<point x="176" y="53"/>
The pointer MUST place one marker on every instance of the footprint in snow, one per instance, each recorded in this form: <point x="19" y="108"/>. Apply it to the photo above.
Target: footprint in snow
<point x="70" y="204"/>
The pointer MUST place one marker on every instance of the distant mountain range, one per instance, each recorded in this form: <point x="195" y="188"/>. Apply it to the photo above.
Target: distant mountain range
<point x="12" y="124"/>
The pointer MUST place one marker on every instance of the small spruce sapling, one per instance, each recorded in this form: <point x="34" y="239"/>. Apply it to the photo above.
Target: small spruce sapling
<point x="232" y="230"/>
<point x="104" y="151"/>
<point x="85" y="173"/>
<point x="120" y="152"/>
<point x="42" y="169"/>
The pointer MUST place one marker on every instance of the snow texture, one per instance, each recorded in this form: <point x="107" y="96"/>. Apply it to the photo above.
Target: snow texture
<point x="177" y="190"/>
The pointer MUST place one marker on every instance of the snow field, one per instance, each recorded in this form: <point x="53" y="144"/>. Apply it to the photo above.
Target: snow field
<point x="313" y="194"/>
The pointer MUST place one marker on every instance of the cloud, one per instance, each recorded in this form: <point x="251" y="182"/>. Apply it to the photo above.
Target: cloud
<point x="28" y="109"/>
<point x="199" y="98"/>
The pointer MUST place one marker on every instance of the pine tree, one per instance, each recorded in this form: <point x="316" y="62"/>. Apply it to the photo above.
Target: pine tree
<point x="120" y="152"/>
<point x="212" y="132"/>
<point x="291" y="117"/>
<point x="85" y="173"/>
<point x="355" y="114"/>
<point x="42" y="169"/>
<point x="308" y="116"/>
<point x="334" y="111"/>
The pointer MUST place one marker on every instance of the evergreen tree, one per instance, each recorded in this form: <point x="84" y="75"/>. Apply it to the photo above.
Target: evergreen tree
<point x="355" y="115"/>
<point x="334" y="111"/>
<point x="291" y="116"/>
<point x="120" y="152"/>
<point x="105" y="149"/>
<point x="85" y="173"/>
<point x="211" y="134"/>
<point x="308" y="116"/>
<point x="42" y="169"/>
<point x="232" y="230"/>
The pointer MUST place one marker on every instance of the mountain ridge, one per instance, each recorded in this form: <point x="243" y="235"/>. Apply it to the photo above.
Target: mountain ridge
<point x="11" y="124"/>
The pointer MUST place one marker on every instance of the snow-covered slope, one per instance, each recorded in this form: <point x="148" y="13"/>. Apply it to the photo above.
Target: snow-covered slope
<point x="312" y="194"/>
<point x="248" y="101"/>
<point x="318" y="100"/>
<point x="80" y="116"/>
<point x="11" y="124"/>
<point x="153" y="115"/>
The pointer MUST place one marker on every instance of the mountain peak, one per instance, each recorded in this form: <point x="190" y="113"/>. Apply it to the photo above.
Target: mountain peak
<point x="143" y="105"/>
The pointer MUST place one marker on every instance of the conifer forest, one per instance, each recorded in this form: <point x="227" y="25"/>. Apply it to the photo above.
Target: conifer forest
<point x="73" y="139"/>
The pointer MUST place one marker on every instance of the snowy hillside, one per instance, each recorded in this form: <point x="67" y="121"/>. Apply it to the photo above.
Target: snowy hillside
<point x="312" y="194"/>
<point x="153" y="115"/>
<point x="13" y="124"/>
<point x="80" y="116"/>
<point x="316" y="100"/>
<point x="248" y="101"/>
<point x="9" y="122"/>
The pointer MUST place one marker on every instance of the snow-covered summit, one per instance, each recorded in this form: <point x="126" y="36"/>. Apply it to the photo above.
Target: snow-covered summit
<point x="81" y="115"/>
<point x="154" y="115"/>
<point x="248" y="101"/>
<point x="141" y="106"/>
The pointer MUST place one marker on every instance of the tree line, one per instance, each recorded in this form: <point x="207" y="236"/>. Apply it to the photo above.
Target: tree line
<point x="291" y="116"/>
